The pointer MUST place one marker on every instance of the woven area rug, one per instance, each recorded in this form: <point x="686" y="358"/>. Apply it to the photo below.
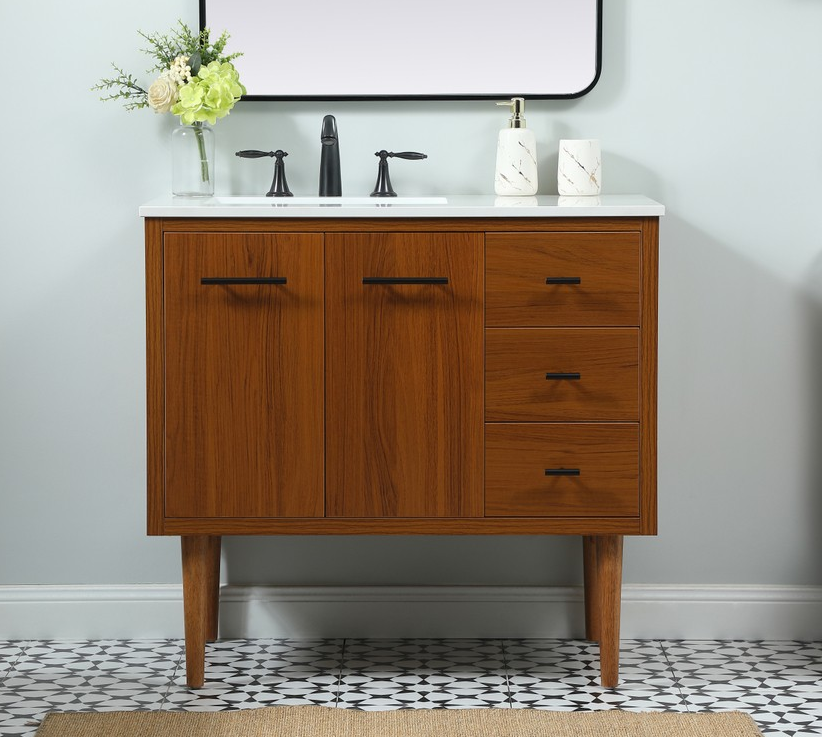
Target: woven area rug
<point x="321" y="721"/>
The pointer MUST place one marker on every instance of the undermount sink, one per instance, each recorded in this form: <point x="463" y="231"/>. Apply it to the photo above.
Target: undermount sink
<point x="262" y="201"/>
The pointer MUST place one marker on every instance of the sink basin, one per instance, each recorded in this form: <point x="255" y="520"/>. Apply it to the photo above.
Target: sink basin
<point x="326" y="201"/>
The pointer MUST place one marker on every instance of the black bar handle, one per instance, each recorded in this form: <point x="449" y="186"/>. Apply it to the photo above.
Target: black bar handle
<point x="405" y="280"/>
<point x="562" y="472"/>
<point x="243" y="280"/>
<point x="572" y="375"/>
<point x="563" y="280"/>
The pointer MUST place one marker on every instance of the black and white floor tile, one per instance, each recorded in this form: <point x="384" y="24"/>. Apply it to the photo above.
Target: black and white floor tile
<point x="84" y="676"/>
<point x="778" y="683"/>
<point x="407" y="674"/>
<point x="563" y="675"/>
<point x="243" y="674"/>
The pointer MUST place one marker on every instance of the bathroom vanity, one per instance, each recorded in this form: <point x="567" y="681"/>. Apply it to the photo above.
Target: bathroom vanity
<point x="419" y="367"/>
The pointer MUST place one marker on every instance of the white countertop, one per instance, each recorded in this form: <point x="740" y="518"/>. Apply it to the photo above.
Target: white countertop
<point x="450" y="206"/>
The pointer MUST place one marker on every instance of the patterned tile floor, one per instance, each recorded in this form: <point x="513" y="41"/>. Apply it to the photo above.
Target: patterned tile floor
<point x="778" y="683"/>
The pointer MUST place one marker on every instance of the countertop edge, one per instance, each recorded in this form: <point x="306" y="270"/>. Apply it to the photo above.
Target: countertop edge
<point x="609" y="206"/>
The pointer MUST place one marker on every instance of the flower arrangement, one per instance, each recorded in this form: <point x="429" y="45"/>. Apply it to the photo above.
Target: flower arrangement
<point x="197" y="81"/>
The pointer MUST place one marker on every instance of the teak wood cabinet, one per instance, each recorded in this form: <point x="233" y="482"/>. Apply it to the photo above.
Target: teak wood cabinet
<point x="402" y="376"/>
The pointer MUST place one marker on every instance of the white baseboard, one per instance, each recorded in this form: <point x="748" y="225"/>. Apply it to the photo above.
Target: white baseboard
<point x="648" y="612"/>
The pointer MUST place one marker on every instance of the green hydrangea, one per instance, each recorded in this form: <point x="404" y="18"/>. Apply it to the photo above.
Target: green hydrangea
<point x="210" y="94"/>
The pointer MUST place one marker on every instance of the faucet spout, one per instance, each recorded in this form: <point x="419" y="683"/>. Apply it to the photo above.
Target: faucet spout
<point x="330" y="179"/>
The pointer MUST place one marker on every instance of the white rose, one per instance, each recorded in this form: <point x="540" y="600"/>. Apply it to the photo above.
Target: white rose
<point x="162" y="94"/>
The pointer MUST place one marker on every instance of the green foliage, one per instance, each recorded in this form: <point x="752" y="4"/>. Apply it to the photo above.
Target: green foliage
<point x="164" y="48"/>
<point x="182" y="41"/>
<point x="195" y="61"/>
<point x="123" y="87"/>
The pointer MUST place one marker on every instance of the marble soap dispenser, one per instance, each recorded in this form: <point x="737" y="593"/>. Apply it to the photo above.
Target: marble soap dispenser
<point x="516" y="172"/>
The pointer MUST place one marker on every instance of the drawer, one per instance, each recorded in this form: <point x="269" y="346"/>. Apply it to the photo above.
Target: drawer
<point x="561" y="374"/>
<point x="562" y="470"/>
<point x="556" y="279"/>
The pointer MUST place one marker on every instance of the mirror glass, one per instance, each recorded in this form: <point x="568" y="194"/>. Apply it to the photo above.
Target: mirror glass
<point x="425" y="49"/>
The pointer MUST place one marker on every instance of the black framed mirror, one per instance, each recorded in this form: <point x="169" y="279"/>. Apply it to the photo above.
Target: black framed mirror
<point x="427" y="49"/>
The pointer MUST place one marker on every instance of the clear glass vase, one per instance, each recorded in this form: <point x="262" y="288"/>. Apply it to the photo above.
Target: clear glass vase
<point x="192" y="155"/>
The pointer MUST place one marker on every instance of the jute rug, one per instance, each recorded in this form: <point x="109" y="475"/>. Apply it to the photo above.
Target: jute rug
<point x="321" y="721"/>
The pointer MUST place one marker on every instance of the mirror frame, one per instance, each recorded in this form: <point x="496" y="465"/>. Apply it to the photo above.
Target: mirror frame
<point x="424" y="96"/>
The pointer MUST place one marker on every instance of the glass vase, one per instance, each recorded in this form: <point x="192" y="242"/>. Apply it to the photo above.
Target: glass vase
<point x="192" y="155"/>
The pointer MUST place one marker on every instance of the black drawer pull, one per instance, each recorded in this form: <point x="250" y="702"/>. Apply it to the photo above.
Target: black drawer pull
<point x="243" y="280"/>
<point x="405" y="280"/>
<point x="562" y="472"/>
<point x="572" y="375"/>
<point x="563" y="280"/>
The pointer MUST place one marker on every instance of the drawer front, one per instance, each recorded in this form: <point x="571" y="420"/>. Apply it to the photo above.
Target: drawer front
<point x="556" y="279"/>
<point x="561" y="374"/>
<point x="562" y="470"/>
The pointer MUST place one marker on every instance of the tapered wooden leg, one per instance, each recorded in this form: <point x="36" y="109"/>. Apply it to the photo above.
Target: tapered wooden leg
<point x="589" y="567"/>
<point x="213" y="588"/>
<point x="197" y="555"/>
<point x="609" y="583"/>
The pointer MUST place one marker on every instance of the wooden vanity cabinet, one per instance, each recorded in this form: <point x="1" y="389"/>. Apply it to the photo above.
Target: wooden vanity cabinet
<point x="401" y="376"/>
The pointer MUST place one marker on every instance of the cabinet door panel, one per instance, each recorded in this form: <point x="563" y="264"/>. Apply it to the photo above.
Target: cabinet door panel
<point x="404" y="386"/>
<point x="244" y="368"/>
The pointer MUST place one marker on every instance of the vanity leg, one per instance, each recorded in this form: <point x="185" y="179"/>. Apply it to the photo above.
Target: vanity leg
<point x="213" y="588"/>
<point x="609" y="583"/>
<point x="589" y="567"/>
<point x="197" y="556"/>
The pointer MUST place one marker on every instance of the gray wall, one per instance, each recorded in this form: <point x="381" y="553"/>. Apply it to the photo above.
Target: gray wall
<point x="712" y="108"/>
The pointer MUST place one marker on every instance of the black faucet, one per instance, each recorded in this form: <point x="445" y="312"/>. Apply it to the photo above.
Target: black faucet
<point x="330" y="181"/>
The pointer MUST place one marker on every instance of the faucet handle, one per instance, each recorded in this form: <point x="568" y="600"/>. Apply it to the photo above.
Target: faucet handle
<point x="253" y="154"/>
<point x="383" y="186"/>
<point x="279" y="186"/>
<point x="414" y="155"/>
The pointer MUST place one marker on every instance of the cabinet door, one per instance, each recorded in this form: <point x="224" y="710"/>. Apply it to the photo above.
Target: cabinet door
<point x="404" y="387"/>
<point x="243" y="375"/>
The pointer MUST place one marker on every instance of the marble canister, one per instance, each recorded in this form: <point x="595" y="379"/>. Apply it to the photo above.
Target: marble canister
<point x="579" y="169"/>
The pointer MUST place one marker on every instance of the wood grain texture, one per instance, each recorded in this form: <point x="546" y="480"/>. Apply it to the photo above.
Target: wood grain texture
<point x="648" y="369"/>
<point x="518" y="359"/>
<point x="517" y="265"/>
<point x="196" y="554"/>
<point x="405" y="526"/>
<point x="155" y="377"/>
<point x="241" y="523"/>
<point x="244" y="376"/>
<point x="404" y="380"/>
<point x="607" y="456"/>
<point x="609" y="583"/>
